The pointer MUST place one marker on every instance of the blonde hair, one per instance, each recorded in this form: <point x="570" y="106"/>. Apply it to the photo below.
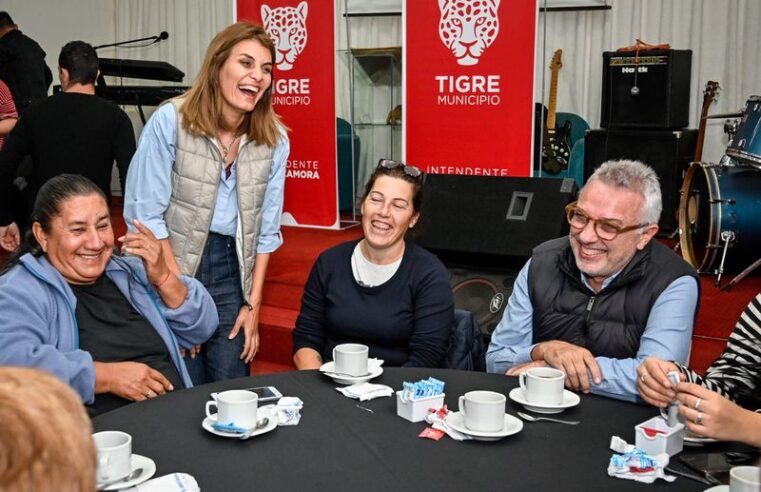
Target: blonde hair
<point x="45" y="435"/>
<point x="202" y="108"/>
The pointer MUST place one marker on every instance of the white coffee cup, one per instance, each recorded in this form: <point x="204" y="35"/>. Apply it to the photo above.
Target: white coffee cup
<point x="745" y="479"/>
<point x="543" y="385"/>
<point x="234" y="407"/>
<point x="351" y="358"/>
<point x="114" y="450"/>
<point x="483" y="411"/>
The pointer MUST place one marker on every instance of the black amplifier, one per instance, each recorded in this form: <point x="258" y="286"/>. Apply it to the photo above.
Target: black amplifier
<point x="651" y="90"/>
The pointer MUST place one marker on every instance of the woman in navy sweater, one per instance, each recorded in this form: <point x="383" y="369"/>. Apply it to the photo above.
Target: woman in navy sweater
<point x="382" y="291"/>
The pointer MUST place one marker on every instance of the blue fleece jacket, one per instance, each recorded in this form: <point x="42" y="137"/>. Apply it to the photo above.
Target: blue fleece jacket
<point x="38" y="327"/>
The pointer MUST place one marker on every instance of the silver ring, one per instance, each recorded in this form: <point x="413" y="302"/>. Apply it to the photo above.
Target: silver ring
<point x="697" y="403"/>
<point x="699" y="420"/>
<point x="150" y="394"/>
<point x="642" y="378"/>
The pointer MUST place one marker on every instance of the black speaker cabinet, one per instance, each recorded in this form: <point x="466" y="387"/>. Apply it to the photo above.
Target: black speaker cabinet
<point x="488" y="215"/>
<point x="649" y="91"/>
<point x="669" y="153"/>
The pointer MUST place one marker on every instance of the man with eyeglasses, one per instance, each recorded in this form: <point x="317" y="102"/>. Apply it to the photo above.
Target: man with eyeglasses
<point x="597" y="302"/>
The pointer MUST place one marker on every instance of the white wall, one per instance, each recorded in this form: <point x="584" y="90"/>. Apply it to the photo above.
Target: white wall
<point x="53" y="23"/>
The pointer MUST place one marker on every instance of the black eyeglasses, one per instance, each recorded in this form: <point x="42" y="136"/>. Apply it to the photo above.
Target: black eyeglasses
<point x="604" y="228"/>
<point x="410" y="171"/>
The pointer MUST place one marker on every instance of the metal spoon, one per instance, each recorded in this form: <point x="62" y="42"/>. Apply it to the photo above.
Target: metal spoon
<point x="531" y="418"/>
<point x="260" y="424"/>
<point x="135" y="473"/>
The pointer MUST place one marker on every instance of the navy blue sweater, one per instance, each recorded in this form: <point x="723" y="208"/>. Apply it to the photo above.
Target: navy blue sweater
<point x="405" y="321"/>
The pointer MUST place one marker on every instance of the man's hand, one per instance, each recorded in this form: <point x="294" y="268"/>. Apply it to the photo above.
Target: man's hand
<point x="131" y="380"/>
<point x="652" y="383"/>
<point x="573" y="360"/>
<point x="248" y="319"/>
<point x="10" y="237"/>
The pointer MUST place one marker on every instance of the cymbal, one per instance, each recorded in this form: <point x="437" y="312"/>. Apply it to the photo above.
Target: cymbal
<point x="725" y="115"/>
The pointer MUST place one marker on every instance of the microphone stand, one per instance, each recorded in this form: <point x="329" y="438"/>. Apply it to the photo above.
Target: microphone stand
<point x="155" y="40"/>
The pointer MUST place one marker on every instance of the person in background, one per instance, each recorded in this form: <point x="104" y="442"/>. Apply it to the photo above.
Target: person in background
<point x="208" y="179"/>
<point x="597" y="302"/>
<point x="8" y="114"/>
<point x="720" y="405"/>
<point x="383" y="290"/>
<point x="46" y="431"/>
<point x="22" y="65"/>
<point x="109" y="326"/>
<point x="71" y="132"/>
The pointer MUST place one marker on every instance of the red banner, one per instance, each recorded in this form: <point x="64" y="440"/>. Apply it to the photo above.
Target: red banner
<point x="469" y="85"/>
<point x="304" y="96"/>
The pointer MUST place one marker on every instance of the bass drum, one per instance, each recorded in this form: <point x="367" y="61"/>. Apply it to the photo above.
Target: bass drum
<point x="718" y="199"/>
<point x="746" y="142"/>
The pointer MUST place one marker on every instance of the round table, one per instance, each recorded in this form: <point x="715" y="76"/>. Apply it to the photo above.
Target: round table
<point x="340" y="446"/>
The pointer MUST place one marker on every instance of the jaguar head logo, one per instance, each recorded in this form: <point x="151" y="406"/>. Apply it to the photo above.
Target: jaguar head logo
<point x="468" y="27"/>
<point x="287" y="27"/>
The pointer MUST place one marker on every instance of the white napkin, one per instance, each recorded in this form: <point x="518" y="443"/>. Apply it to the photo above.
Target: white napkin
<point x="373" y="365"/>
<point x="619" y="465"/>
<point x="366" y="391"/>
<point x="287" y="409"/>
<point x="174" y="482"/>
<point x="437" y="422"/>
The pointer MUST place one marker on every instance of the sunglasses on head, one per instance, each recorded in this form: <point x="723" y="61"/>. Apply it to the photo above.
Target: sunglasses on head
<point x="411" y="171"/>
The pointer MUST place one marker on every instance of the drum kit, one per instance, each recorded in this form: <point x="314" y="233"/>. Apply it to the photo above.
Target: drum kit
<point x="720" y="204"/>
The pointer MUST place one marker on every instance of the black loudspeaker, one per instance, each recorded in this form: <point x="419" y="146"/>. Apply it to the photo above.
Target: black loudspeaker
<point x="651" y="90"/>
<point x="483" y="293"/>
<point x="669" y="153"/>
<point x="489" y="215"/>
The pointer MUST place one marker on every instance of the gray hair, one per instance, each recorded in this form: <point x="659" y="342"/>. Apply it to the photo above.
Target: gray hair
<point x="635" y="176"/>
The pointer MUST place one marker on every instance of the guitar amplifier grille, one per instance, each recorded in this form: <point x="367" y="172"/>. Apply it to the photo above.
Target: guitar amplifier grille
<point x="649" y="91"/>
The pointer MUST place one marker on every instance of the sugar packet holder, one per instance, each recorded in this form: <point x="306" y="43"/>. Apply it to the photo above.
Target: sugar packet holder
<point x="416" y="400"/>
<point x="424" y="388"/>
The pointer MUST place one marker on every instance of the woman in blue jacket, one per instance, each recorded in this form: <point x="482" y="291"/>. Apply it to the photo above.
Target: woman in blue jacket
<point x="109" y="326"/>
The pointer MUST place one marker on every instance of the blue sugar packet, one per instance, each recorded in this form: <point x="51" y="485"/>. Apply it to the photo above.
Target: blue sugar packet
<point x="231" y="427"/>
<point x="422" y="389"/>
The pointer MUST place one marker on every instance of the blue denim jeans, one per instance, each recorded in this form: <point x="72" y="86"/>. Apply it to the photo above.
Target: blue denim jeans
<point x="218" y="272"/>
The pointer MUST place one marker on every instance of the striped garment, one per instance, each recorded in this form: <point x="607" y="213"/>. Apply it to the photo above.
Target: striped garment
<point x="736" y="374"/>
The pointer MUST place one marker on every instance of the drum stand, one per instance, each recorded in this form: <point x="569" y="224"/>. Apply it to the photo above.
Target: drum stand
<point x="741" y="275"/>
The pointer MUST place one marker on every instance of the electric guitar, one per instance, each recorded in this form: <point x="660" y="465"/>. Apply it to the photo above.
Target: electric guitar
<point x="710" y="94"/>
<point x="556" y="148"/>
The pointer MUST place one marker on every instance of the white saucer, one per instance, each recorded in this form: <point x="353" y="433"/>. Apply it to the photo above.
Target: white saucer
<point x="328" y="368"/>
<point x="692" y="439"/>
<point x="456" y="421"/>
<point x="138" y="461"/>
<point x="570" y="399"/>
<point x="208" y="424"/>
<point x="718" y="488"/>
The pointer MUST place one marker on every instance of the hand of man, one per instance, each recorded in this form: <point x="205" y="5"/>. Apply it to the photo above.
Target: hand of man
<point x="573" y="360"/>
<point x="131" y="380"/>
<point x="515" y="370"/>
<point x="145" y="245"/>
<point x="709" y="414"/>
<point x="9" y="237"/>
<point x="248" y="319"/>
<point x="652" y="383"/>
<point x="192" y="351"/>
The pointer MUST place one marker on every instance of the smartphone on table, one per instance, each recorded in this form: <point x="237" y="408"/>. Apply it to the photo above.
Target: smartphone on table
<point x="266" y="394"/>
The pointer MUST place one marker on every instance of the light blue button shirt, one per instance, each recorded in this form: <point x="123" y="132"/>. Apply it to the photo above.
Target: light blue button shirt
<point x="667" y="335"/>
<point x="148" y="185"/>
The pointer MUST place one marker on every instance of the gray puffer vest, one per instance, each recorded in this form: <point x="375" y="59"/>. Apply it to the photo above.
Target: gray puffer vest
<point x="609" y="323"/>
<point x="195" y="182"/>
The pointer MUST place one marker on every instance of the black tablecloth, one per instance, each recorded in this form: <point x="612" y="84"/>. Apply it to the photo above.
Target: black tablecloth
<point x="338" y="446"/>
